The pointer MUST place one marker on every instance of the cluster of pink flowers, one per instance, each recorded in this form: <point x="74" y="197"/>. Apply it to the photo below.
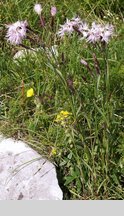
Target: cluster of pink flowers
<point x="100" y="32"/>
<point x="68" y="27"/>
<point x="16" y="32"/>
<point x="93" y="34"/>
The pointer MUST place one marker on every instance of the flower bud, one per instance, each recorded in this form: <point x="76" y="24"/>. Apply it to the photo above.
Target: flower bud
<point x="38" y="9"/>
<point x="53" y="11"/>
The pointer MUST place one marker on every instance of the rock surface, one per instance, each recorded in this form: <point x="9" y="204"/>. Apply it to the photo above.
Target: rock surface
<point x="25" y="175"/>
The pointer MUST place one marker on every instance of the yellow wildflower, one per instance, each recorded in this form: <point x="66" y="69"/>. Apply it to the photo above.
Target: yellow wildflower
<point x="30" y="92"/>
<point x="63" y="115"/>
<point x="59" y="117"/>
<point x="53" y="152"/>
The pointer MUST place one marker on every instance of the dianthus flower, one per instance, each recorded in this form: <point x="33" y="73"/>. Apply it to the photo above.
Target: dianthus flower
<point x="16" y="32"/>
<point x="99" y="32"/>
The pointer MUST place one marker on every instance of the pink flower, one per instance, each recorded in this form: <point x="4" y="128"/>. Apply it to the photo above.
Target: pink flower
<point x="84" y="62"/>
<point x="53" y="11"/>
<point x="16" y="32"/>
<point x="68" y="27"/>
<point x="94" y="34"/>
<point x="84" y="28"/>
<point x="100" y="32"/>
<point x="107" y="33"/>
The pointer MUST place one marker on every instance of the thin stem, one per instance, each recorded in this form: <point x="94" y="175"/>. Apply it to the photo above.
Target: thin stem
<point x="37" y="37"/>
<point x="27" y="47"/>
<point x="107" y="86"/>
<point x="96" y="64"/>
<point x="52" y="23"/>
<point x="42" y="21"/>
<point x="77" y="30"/>
<point x="30" y="29"/>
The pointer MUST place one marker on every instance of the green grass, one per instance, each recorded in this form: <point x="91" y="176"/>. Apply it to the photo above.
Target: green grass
<point x="89" y="147"/>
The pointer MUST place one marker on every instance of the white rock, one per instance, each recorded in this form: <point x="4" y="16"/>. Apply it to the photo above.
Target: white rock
<point x="25" y="175"/>
<point x="21" y="54"/>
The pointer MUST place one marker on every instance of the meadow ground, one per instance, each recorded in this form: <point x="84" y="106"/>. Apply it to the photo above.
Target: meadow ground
<point x="74" y="116"/>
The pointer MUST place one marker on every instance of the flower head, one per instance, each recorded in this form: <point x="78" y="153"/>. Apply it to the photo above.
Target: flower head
<point x="69" y="27"/>
<point x="53" y="152"/>
<point x="94" y="33"/>
<point x="16" y="32"/>
<point x="84" y="28"/>
<point x="107" y="33"/>
<point x="38" y="9"/>
<point x="99" y="32"/>
<point x="62" y="117"/>
<point x="53" y="11"/>
<point x="84" y="62"/>
<point x="30" y="92"/>
<point x="65" y="114"/>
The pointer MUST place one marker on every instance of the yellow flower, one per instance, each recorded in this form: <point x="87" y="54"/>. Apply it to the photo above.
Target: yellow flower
<point x="59" y="118"/>
<point x="63" y="115"/>
<point x="53" y="152"/>
<point x="30" y="92"/>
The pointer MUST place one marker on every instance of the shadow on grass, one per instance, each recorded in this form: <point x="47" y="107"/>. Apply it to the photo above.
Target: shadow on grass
<point x="66" y="192"/>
